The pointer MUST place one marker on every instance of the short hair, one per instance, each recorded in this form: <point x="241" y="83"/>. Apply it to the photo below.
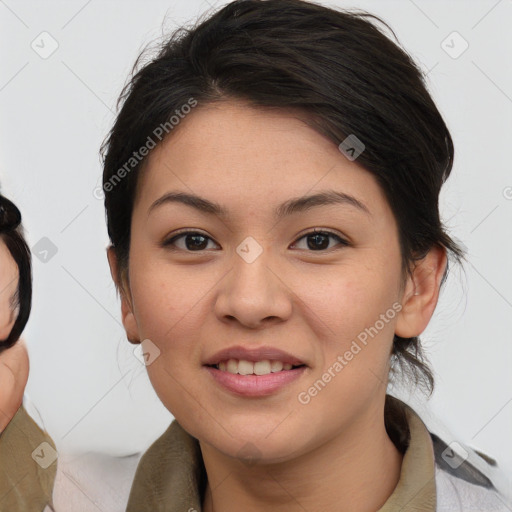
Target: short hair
<point x="340" y="71"/>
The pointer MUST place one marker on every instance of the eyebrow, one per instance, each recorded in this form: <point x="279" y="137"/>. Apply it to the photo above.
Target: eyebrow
<point x="289" y="207"/>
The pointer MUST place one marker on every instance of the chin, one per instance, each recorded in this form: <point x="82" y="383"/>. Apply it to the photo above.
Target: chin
<point x="254" y="452"/>
<point x="263" y="445"/>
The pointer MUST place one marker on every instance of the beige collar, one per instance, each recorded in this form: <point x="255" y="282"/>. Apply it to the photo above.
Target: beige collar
<point x="416" y="489"/>
<point x="171" y="476"/>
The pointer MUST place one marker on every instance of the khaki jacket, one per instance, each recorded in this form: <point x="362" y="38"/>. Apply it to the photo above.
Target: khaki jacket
<point x="170" y="476"/>
<point x="27" y="466"/>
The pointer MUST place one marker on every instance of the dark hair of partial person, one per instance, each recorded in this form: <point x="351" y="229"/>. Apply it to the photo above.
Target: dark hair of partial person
<point x="340" y="73"/>
<point x="11" y="232"/>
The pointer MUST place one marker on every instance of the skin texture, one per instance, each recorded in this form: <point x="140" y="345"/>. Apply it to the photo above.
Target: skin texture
<point x="8" y="285"/>
<point x="14" y="370"/>
<point x="309" y="302"/>
<point x="14" y="363"/>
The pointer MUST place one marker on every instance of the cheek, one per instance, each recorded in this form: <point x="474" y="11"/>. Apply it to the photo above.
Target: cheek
<point x="163" y="300"/>
<point x="167" y="312"/>
<point x="170" y="307"/>
<point x="354" y="311"/>
<point x="346" y="300"/>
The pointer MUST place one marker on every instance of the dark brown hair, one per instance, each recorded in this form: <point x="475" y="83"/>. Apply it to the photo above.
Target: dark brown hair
<point x="340" y="71"/>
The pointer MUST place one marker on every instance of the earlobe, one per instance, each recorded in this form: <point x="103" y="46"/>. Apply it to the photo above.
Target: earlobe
<point x="421" y="294"/>
<point x="128" y="318"/>
<point x="129" y="322"/>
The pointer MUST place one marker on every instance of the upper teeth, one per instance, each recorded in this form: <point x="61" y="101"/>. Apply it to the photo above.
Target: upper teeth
<point x="243" y="367"/>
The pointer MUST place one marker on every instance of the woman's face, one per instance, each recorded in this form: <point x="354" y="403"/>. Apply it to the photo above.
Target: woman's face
<point x="256" y="281"/>
<point x="8" y="287"/>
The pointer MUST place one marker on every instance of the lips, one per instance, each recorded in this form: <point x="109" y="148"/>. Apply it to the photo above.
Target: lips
<point x="256" y="355"/>
<point x="257" y="372"/>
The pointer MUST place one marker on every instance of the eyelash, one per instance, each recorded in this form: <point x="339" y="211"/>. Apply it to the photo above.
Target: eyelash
<point x="168" y="243"/>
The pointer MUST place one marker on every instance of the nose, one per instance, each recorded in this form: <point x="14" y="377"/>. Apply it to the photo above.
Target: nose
<point x="254" y="293"/>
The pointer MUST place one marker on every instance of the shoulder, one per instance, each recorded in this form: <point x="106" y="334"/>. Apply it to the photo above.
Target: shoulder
<point x="86" y="479"/>
<point x="27" y="465"/>
<point x="455" y="494"/>
<point x="461" y="486"/>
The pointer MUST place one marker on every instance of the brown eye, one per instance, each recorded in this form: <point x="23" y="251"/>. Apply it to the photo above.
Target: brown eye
<point x="319" y="240"/>
<point x="193" y="241"/>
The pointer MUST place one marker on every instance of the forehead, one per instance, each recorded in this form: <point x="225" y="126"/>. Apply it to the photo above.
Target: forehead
<point x="251" y="158"/>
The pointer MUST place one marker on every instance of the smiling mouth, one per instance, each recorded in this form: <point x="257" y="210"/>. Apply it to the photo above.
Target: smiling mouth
<point x="244" y="367"/>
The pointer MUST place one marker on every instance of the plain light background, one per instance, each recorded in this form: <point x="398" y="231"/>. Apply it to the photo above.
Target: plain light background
<point x="91" y="391"/>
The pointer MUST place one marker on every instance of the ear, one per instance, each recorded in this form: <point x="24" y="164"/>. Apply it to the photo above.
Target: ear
<point x="123" y="287"/>
<point x="421" y="294"/>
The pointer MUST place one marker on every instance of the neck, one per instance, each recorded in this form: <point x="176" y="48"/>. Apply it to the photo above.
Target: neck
<point x="334" y="477"/>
